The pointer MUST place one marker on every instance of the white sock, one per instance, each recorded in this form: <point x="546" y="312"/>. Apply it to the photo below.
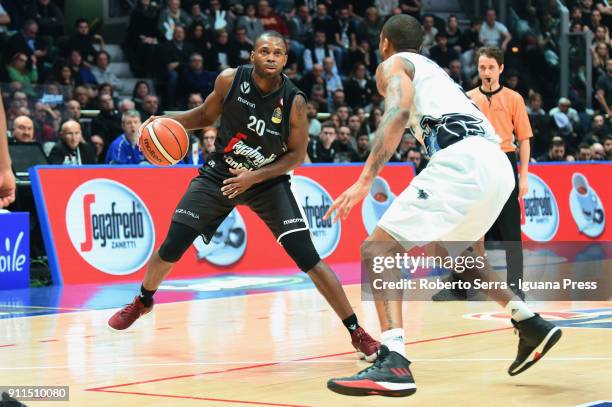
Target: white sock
<point x="394" y="340"/>
<point x="518" y="310"/>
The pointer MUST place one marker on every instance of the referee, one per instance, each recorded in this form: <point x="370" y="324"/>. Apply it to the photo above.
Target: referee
<point x="506" y="111"/>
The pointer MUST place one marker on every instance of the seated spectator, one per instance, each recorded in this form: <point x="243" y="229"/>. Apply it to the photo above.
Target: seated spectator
<point x="196" y="79"/>
<point x="320" y="149"/>
<point x="343" y="113"/>
<point x="71" y="149"/>
<point x="370" y="125"/>
<point x="104" y="75"/>
<point x="240" y="48"/>
<point x="82" y="40"/>
<point x="208" y="143"/>
<point x="150" y="107"/>
<point x="124" y="149"/>
<point x="453" y="33"/>
<point x="198" y="17"/>
<point x="365" y="54"/>
<point x="49" y="17"/>
<point x="584" y="152"/>
<point x="17" y="107"/>
<point x="271" y="20"/>
<point x="354" y="124"/>
<point x="556" y="151"/>
<point x="607" y="144"/>
<point x="63" y="75"/>
<point x="372" y="26"/>
<point x="345" y="146"/>
<point x="141" y="41"/>
<point x="27" y="42"/>
<point x="23" y="130"/>
<point x="18" y="71"/>
<point x="81" y="95"/>
<point x="599" y="129"/>
<point x="46" y="122"/>
<point x="339" y="100"/>
<point x="219" y="55"/>
<point x="318" y="95"/>
<point x="72" y="111"/>
<point x="534" y="105"/>
<point x="572" y="124"/>
<point x="125" y="105"/>
<point x="363" y="148"/>
<point x="141" y="89"/>
<point x="359" y="87"/>
<point x="194" y="100"/>
<point x="317" y="52"/>
<point x="108" y="122"/>
<point x="416" y="157"/>
<point x="97" y="143"/>
<point x="330" y="74"/>
<point x="312" y="78"/>
<point x="80" y="72"/>
<point x="314" y="125"/>
<point x="174" y="58"/>
<point x="251" y="23"/>
<point x="493" y="33"/>
<point x="441" y="53"/>
<point x="603" y="89"/>
<point x="171" y="17"/>
<point x="456" y="74"/>
<point x="429" y="34"/>
<point x="220" y="19"/>
<point x="598" y="153"/>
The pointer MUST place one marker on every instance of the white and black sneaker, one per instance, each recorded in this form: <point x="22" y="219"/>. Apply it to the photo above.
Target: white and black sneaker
<point x="536" y="337"/>
<point x="389" y="376"/>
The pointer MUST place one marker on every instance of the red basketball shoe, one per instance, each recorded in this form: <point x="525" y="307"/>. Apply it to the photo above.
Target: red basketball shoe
<point x="126" y="316"/>
<point x="366" y="346"/>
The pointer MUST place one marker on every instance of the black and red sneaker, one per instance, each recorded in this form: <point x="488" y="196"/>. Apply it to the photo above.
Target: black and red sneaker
<point x="126" y="316"/>
<point x="366" y="346"/>
<point x="536" y="337"/>
<point x="389" y="376"/>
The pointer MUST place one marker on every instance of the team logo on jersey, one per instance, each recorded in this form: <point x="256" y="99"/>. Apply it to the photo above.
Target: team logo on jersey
<point x="245" y="88"/>
<point x="277" y="115"/>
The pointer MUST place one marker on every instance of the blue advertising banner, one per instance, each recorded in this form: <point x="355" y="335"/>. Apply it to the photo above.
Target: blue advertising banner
<point x="14" y="250"/>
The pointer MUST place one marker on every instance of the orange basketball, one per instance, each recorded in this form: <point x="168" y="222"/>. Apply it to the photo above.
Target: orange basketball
<point x="164" y="142"/>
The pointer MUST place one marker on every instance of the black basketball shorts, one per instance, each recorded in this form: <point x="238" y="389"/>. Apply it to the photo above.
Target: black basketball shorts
<point x="204" y="207"/>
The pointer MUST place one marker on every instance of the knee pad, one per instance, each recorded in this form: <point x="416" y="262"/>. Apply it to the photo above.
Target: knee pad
<point x="178" y="240"/>
<point x="300" y="248"/>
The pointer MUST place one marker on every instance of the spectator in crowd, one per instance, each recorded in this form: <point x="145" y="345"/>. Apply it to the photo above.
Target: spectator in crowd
<point x="124" y="149"/>
<point x="126" y="104"/>
<point x="141" y="89"/>
<point x="493" y="33"/>
<point x="343" y="113"/>
<point x="251" y="23"/>
<point x="83" y="41"/>
<point x="81" y="95"/>
<point x="175" y="57"/>
<point x="456" y="74"/>
<point x="171" y="17"/>
<point x="49" y="17"/>
<point x="63" y="75"/>
<point x="601" y="54"/>
<point x="363" y="148"/>
<point x="97" y="144"/>
<point x="372" y="123"/>
<point x="18" y="71"/>
<point x="345" y="33"/>
<point x="71" y="149"/>
<point x="441" y="53"/>
<point x="220" y="19"/>
<point x="453" y="33"/>
<point x="599" y="128"/>
<point x="103" y="74"/>
<point x="598" y="153"/>
<point x="607" y="144"/>
<point x="23" y="130"/>
<point x="338" y="101"/>
<point x="330" y="74"/>
<point x="196" y="79"/>
<point x="311" y="79"/>
<point x="429" y="34"/>
<point x="365" y="54"/>
<point x="572" y="124"/>
<point x="372" y="26"/>
<point x="314" y="125"/>
<point x="322" y="22"/>
<point x="556" y="151"/>
<point x="317" y="52"/>
<point x="108" y="122"/>
<point x="27" y="42"/>
<point x="142" y="38"/>
<point x="321" y="150"/>
<point x="416" y="157"/>
<point x="194" y="100"/>
<point x="540" y="125"/>
<point x="80" y="72"/>
<point x="271" y="20"/>
<point x="584" y="152"/>
<point x="150" y="107"/>
<point x="386" y="7"/>
<point x="198" y="37"/>
<point x="5" y="21"/>
<point x="345" y="146"/>
<point x="603" y="89"/>
<point x="72" y="111"/>
<point x="219" y="55"/>
<point x="18" y="106"/>
<point x="46" y="122"/>
<point x="411" y="7"/>
<point x="300" y="25"/>
<point x="359" y="87"/>
<point x="354" y="124"/>
<point x="240" y="48"/>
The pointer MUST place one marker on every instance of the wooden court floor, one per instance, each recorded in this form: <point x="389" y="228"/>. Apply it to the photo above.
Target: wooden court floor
<point x="279" y="349"/>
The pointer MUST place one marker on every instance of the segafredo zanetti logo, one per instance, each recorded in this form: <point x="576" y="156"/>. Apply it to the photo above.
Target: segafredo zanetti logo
<point x="110" y="226"/>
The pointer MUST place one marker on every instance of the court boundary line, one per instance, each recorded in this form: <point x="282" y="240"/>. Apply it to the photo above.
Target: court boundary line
<point x="105" y="389"/>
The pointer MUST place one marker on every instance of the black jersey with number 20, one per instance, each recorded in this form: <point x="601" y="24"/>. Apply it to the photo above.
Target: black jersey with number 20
<point x="254" y="127"/>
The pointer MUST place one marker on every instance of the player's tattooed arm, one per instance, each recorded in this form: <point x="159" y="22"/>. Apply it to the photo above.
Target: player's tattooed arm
<point x="393" y="79"/>
<point x="297" y="142"/>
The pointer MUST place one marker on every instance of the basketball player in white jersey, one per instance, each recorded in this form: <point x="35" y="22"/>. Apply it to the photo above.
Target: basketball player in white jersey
<point x="456" y="198"/>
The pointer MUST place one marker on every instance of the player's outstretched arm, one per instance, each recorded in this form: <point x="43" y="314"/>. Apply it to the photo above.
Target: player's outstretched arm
<point x="7" y="180"/>
<point x="393" y="80"/>
<point x="297" y="143"/>
<point x="208" y="112"/>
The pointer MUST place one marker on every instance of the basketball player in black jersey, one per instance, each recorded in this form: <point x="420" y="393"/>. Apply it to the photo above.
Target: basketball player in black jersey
<point x="263" y="135"/>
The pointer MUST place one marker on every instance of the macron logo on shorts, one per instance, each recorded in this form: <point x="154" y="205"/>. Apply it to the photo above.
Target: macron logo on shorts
<point x="294" y="220"/>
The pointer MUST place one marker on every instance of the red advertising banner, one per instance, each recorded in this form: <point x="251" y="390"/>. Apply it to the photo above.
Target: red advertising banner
<point x="568" y="202"/>
<point x="101" y="224"/>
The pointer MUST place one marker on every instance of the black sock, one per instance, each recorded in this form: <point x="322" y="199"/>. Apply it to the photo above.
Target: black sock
<point x="146" y="296"/>
<point x="351" y="323"/>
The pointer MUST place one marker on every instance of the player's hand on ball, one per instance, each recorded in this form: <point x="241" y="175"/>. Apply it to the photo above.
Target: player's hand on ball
<point x="242" y="181"/>
<point x="7" y="187"/>
<point x="145" y="123"/>
<point x="349" y="198"/>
